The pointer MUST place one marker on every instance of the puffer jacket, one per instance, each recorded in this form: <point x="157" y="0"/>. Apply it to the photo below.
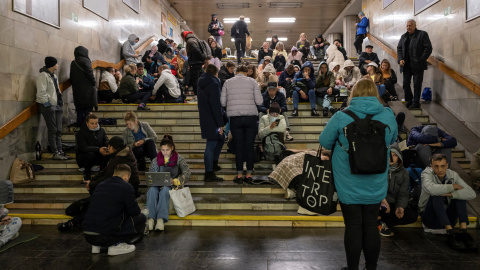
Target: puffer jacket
<point x="358" y="188"/>
<point x="241" y="95"/>
<point x="128" y="138"/>
<point x="209" y="107"/>
<point x="194" y="53"/>
<point x="128" y="51"/>
<point x="224" y="75"/>
<point x="334" y="55"/>
<point x="83" y="81"/>
<point x="398" y="182"/>
<point x="87" y="140"/>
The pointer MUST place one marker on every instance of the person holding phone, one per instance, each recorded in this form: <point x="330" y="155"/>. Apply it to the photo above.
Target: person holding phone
<point x="273" y="122"/>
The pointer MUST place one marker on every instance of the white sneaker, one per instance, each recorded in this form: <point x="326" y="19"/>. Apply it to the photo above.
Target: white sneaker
<point x="288" y="137"/>
<point x="95" y="249"/>
<point x="303" y="211"/>
<point x="290" y="194"/>
<point x="160" y="226"/>
<point x="121" y="248"/>
<point x="150" y="224"/>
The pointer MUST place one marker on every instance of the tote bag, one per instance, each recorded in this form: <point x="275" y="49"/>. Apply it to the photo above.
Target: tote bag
<point x="182" y="201"/>
<point x="316" y="191"/>
<point x="21" y="172"/>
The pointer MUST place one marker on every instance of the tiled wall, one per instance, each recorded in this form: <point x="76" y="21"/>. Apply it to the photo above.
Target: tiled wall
<point x="454" y="39"/>
<point x="25" y="42"/>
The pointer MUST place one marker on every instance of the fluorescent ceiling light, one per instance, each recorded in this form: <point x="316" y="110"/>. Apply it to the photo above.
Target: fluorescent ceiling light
<point x="233" y="20"/>
<point x="281" y="20"/>
<point x="232" y="5"/>
<point x="279" y="39"/>
<point x="286" y="4"/>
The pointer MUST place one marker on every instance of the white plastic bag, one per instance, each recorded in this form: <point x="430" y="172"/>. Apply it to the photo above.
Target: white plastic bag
<point x="182" y="201"/>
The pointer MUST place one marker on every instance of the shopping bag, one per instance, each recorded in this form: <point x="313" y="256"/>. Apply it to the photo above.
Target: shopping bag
<point x="316" y="191"/>
<point x="182" y="201"/>
<point x="21" y="172"/>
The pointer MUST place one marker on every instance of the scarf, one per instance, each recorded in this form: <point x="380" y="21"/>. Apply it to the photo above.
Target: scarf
<point x="184" y="57"/>
<point x="172" y="162"/>
<point x="393" y="168"/>
<point x="95" y="129"/>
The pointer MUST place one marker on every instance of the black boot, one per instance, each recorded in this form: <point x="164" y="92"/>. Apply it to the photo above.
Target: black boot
<point x="66" y="226"/>
<point x="295" y="112"/>
<point x="325" y="112"/>
<point x="333" y="110"/>
<point x="455" y="243"/>
<point x="216" y="168"/>
<point x="211" y="177"/>
<point x="314" y="113"/>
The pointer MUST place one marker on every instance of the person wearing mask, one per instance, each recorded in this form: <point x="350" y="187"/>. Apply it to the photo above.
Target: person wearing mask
<point x="215" y="28"/>
<point x="367" y="57"/>
<point x="196" y="58"/>
<point x="264" y="51"/>
<point x="361" y="32"/>
<point x="119" y="153"/>
<point x="114" y="219"/>
<point x="158" y="199"/>
<point x="167" y="88"/>
<point x="413" y="50"/>
<point x="294" y="55"/>
<point x="325" y="89"/>
<point x="350" y="74"/>
<point x="360" y="202"/>
<point x="50" y="104"/>
<point x="241" y="96"/>
<point x="153" y="53"/>
<point x="83" y="84"/>
<point x="91" y="146"/>
<point x="128" y="89"/>
<point x="274" y="41"/>
<point x="303" y="46"/>
<point x="211" y="120"/>
<point x="141" y="138"/>
<point x="239" y="30"/>
<point x="272" y="95"/>
<point x="389" y="79"/>
<point x="226" y="72"/>
<point x="304" y="88"/>
<point x="268" y="75"/>
<point x="279" y="54"/>
<point x="108" y="86"/>
<point x="376" y="76"/>
<point x="145" y="84"/>
<point x="334" y="55"/>
<point x="319" y="47"/>
<point x="338" y="43"/>
<point x="128" y="51"/>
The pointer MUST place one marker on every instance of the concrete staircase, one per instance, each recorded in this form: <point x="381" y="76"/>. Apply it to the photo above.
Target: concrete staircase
<point x="222" y="204"/>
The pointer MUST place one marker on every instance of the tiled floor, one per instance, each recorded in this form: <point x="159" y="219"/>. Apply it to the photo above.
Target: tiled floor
<point x="234" y="248"/>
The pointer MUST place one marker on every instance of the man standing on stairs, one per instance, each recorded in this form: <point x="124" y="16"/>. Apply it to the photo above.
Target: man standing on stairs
<point x="413" y="50"/>
<point x="211" y="120"/>
<point x="196" y="57"/>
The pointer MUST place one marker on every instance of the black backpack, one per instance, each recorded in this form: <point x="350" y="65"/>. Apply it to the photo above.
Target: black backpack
<point x="367" y="151"/>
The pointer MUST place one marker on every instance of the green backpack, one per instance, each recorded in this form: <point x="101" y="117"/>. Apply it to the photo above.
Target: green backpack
<point x="273" y="147"/>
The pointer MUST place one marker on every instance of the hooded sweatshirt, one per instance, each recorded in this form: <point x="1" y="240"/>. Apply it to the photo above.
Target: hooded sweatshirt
<point x="128" y="50"/>
<point x="298" y="56"/>
<point x="170" y="82"/>
<point x="324" y="80"/>
<point x="334" y="55"/>
<point x="110" y="79"/>
<point x="398" y="181"/>
<point x="351" y="77"/>
<point x="332" y="66"/>
<point x="310" y="83"/>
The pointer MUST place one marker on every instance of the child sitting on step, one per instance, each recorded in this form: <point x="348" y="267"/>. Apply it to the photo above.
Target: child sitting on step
<point x="158" y="198"/>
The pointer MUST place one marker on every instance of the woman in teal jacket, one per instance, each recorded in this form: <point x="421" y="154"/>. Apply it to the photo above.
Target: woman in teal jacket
<point x="360" y="194"/>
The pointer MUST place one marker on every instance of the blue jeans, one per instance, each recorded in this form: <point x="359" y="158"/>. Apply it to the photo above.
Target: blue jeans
<point x="212" y="152"/>
<point x="244" y="130"/>
<point x="381" y="89"/>
<point x="296" y="98"/>
<point x="437" y="216"/>
<point x="158" y="200"/>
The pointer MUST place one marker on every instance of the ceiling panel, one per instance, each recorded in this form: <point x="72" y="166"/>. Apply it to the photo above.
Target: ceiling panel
<point x="313" y="18"/>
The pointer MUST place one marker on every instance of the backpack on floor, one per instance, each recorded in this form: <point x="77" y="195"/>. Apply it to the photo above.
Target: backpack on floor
<point x="273" y="147"/>
<point x="367" y="151"/>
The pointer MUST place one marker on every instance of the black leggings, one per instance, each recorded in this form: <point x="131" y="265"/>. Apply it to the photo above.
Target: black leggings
<point x="361" y="233"/>
<point x="148" y="149"/>
<point x="103" y="240"/>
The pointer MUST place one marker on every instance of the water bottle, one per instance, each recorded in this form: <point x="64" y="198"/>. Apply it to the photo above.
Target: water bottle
<point x="38" y="151"/>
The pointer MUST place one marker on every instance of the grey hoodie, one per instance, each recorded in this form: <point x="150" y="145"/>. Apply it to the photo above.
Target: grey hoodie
<point x="128" y="50"/>
<point x="398" y="181"/>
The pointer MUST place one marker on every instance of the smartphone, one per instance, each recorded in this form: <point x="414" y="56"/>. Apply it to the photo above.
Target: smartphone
<point x="277" y="121"/>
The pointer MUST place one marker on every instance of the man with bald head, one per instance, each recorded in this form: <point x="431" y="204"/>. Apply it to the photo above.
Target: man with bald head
<point x="413" y="50"/>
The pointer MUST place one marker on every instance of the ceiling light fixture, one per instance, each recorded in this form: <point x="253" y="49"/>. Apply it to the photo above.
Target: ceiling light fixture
<point x="286" y="4"/>
<point x="232" y="5"/>
<point x="279" y="39"/>
<point x="233" y="20"/>
<point x="281" y="20"/>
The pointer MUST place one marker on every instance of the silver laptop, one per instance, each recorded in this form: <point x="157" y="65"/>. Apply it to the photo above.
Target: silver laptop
<point x="157" y="179"/>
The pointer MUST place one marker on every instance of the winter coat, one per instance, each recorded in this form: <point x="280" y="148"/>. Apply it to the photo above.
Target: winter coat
<point x="365" y="56"/>
<point x="46" y="91"/>
<point x="283" y="78"/>
<point x="217" y="52"/>
<point x="124" y="156"/>
<point x="155" y="56"/>
<point x="128" y="51"/>
<point x="128" y="138"/>
<point x="147" y="82"/>
<point x="182" y="166"/>
<point x="264" y="126"/>
<point x="209" y="106"/>
<point x="170" y="82"/>
<point x="433" y="186"/>
<point x="416" y="136"/>
<point x="320" y="80"/>
<point x="83" y="81"/>
<point x="334" y="55"/>
<point x="89" y="141"/>
<point x="241" y="95"/>
<point x="214" y="32"/>
<point x="240" y="29"/>
<point x="351" y="77"/>
<point x="362" y="26"/>
<point x="112" y="206"/>
<point x="128" y="85"/>
<point x="310" y="83"/>
<point x="398" y="182"/>
<point x="109" y="79"/>
<point x="278" y="98"/>
<point x="262" y="54"/>
<point x="358" y="188"/>
<point x="194" y="53"/>
<point x="162" y="46"/>
<point x="419" y="49"/>
<point x="224" y="75"/>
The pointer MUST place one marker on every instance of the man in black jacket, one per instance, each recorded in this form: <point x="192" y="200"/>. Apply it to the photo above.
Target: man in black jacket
<point x="113" y="218"/>
<point x="413" y="50"/>
<point x="366" y="58"/>
<point x="239" y="29"/>
<point x="83" y="84"/>
<point x="196" y="58"/>
<point x="264" y="51"/>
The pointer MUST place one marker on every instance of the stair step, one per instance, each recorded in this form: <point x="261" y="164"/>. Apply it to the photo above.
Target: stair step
<point x="192" y="153"/>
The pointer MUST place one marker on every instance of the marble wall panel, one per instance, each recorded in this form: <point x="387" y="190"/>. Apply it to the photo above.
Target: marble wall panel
<point x="7" y="31"/>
